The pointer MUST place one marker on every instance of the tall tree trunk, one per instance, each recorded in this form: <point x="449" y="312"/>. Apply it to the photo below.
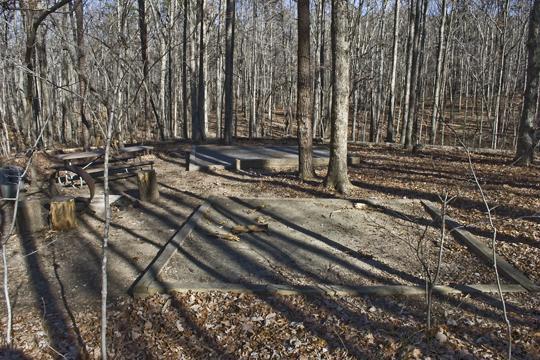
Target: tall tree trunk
<point x="185" y="129"/>
<point x="392" y="98"/>
<point x="229" y="64"/>
<point x="527" y="139"/>
<point x="143" y="34"/>
<point x="378" y="103"/>
<point x="337" y="177"/>
<point x="194" y="71"/>
<point x="81" y="72"/>
<point x="200" y="135"/>
<point x="410" y="64"/>
<point x="322" y="64"/>
<point x="32" y="21"/>
<point x="501" y="75"/>
<point x="438" y="75"/>
<point x="219" y="75"/>
<point x="415" y="73"/>
<point x="253" y="77"/>
<point x="419" y="71"/>
<point x="162" y="84"/>
<point x="303" y="98"/>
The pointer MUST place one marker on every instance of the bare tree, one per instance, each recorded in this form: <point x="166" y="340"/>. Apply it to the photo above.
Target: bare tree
<point x="527" y="139"/>
<point x="167" y="70"/>
<point x="503" y="33"/>
<point x="392" y="97"/>
<point x="143" y="35"/>
<point x="33" y="19"/>
<point x="303" y="98"/>
<point x="199" y="133"/>
<point x="229" y="68"/>
<point x="438" y="74"/>
<point x="337" y="177"/>
<point x="184" y="72"/>
<point x="81" y="68"/>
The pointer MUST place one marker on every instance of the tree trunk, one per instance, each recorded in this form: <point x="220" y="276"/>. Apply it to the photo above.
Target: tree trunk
<point x="194" y="71"/>
<point x="501" y="75"/>
<point x="374" y="131"/>
<point x="410" y="64"/>
<point x="219" y="77"/>
<point x="148" y="186"/>
<point x="410" y="134"/>
<point x="392" y="98"/>
<point x="200" y="134"/>
<point x="81" y="65"/>
<point x="337" y="177"/>
<point x="229" y="64"/>
<point x="144" y="56"/>
<point x="438" y="76"/>
<point x="32" y="22"/>
<point x="62" y="213"/>
<point x="527" y="139"/>
<point x="185" y="129"/>
<point x="303" y="98"/>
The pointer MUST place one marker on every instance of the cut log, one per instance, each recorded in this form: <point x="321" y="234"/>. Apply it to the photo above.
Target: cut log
<point x="30" y="216"/>
<point x="148" y="189"/>
<point x="62" y="213"/>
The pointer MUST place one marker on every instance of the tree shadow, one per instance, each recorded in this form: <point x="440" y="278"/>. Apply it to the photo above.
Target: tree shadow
<point x="12" y="353"/>
<point x="45" y="298"/>
<point x="206" y="260"/>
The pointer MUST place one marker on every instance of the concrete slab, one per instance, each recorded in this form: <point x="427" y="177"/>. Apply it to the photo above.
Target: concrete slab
<point x="311" y="244"/>
<point x="241" y="157"/>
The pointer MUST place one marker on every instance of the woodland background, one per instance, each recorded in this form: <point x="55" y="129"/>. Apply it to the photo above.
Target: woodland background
<point x="158" y="67"/>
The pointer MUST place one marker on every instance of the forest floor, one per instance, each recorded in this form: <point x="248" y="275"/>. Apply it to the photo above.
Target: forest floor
<point x="56" y="289"/>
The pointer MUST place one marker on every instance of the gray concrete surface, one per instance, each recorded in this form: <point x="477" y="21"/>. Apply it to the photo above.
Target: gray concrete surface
<point x="278" y="157"/>
<point x="309" y="242"/>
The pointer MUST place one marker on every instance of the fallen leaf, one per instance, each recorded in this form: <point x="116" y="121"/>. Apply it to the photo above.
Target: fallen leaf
<point x="240" y="229"/>
<point x="225" y="236"/>
<point x="261" y="220"/>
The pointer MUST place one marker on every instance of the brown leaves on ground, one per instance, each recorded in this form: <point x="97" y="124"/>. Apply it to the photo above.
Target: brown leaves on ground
<point x="221" y="325"/>
<point x="241" y="326"/>
<point x="238" y="230"/>
<point x="242" y="229"/>
<point x="513" y="193"/>
<point x="225" y="236"/>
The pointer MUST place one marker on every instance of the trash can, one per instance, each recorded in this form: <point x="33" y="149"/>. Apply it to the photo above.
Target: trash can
<point x="9" y="178"/>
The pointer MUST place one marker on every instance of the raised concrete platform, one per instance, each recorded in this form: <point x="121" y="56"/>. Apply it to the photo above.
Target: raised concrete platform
<point x="325" y="246"/>
<point x="277" y="158"/>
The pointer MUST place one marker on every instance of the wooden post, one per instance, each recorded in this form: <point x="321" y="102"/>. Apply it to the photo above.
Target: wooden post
<point x="30" y="217"/>
<point x="62" y="213"/>
<point x="188" y="160"/>
<point x="148" y="189"/>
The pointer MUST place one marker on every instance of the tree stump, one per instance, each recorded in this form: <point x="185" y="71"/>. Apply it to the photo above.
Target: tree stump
<point x="148" y="189"/>
<point x="62" y="213"/>
<point x="30" y="216"/>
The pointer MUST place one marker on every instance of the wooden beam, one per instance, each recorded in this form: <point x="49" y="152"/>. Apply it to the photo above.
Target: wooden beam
<point x="320" y="289"/>
<point x="480" y="249"/>
<point x="150" y="275"/>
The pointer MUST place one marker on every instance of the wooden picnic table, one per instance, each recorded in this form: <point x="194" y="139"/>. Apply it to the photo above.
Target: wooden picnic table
<point x="87" y="157"/>
<point x="81" y="155"/>
<point x="92" y="161"/>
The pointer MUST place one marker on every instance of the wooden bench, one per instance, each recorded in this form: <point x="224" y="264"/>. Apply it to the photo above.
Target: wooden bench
<point x="120" y="168"/>
<point x="117" y="169"/>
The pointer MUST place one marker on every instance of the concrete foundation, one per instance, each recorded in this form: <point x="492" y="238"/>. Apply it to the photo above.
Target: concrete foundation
<point x="272" y="158"/>
<point x="308" y="246"/>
